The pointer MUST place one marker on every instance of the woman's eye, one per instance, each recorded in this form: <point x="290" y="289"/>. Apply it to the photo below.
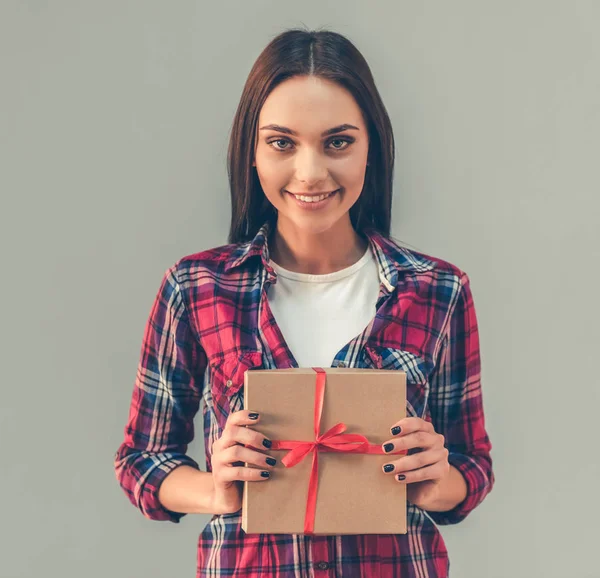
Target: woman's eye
<point x="279" y="141"/>
<point x="339" y="140"/>
<point x="339" y="146"/>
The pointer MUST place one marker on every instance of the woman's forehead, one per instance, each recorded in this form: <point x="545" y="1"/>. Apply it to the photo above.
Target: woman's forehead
<point x="309" y="105"/>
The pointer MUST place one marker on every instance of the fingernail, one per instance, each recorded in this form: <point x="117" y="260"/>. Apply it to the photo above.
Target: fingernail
<point x="388" y="468"/>
<point x="267" y="443"/>
<point x="253" y="415"/>
<point x="265" y="474"/>
<point x="388" y="447"/>
<point x="396" y="430"/>
<point x="400" y="477"/>
<point x="271" y="461"/>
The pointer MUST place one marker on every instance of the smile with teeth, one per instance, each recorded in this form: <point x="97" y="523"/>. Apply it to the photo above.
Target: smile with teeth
<point x="313" y="199"/>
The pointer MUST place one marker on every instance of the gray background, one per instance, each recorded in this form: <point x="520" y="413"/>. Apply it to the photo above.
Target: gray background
<point x="114" y="121"/>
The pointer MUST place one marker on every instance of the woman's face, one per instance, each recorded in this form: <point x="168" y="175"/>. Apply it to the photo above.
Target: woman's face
<point x="294" y="155"/>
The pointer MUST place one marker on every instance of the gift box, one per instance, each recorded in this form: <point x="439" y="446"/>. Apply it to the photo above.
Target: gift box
<point x="327" y="426"/>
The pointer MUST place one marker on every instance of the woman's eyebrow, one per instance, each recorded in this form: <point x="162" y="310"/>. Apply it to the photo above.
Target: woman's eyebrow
<point x="334" y="130"/>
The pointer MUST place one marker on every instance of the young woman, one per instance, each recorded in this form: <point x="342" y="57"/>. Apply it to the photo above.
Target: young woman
<point x="310" y="277"/>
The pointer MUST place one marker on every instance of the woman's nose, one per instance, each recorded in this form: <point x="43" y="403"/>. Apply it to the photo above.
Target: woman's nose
<point x="311" y="167"/>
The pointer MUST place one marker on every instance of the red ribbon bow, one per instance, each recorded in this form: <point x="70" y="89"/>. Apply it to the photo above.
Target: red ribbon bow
<point x="333" y="440"/>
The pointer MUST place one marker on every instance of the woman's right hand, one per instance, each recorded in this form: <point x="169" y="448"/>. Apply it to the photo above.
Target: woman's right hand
<point x="229" y="455"/>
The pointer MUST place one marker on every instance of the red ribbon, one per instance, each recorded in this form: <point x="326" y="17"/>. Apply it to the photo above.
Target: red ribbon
<point x="333" y="440"/>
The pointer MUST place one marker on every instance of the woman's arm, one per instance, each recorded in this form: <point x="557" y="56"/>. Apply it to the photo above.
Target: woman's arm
<point x="188" y="491"/>
<point x="165" y="399"/>
<point x="450" y="491"/>
<point x="456" y="406"/>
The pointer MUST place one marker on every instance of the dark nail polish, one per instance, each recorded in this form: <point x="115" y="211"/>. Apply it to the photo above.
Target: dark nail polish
<point x="401" y="477"/>
<point x="253" y="415"/>
<point x="271" y="461"/>
<point x="388" y="447"/>
<point x="267" y="443"/>
<point x="265" y="474"/>
<point x="388" y="468"/>
<point x="396" y="430"/>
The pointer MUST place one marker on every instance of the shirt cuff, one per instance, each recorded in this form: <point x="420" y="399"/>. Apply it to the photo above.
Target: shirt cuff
<point x="479" y="483"/>
<point x="148" y="500"/>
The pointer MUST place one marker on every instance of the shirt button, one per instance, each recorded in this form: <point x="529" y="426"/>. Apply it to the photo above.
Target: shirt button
<point x="324" y="565"/>
<point x="229" y="383"/>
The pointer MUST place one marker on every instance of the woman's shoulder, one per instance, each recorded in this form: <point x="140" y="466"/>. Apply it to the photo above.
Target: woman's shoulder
<point x="420" y="262"/>
<point x="213" y="262"/>
<point x="434" y="278"/>
<point x="212" y="256"/>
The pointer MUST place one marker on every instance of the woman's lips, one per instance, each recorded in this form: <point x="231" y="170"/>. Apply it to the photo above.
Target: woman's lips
<point x="312" y="205"/>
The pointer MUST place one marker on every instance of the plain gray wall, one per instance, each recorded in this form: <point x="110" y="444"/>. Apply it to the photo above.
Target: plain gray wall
<point x="114" y="125"/>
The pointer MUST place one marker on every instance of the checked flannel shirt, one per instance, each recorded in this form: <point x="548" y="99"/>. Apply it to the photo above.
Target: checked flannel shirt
<point x="211" y="321"/>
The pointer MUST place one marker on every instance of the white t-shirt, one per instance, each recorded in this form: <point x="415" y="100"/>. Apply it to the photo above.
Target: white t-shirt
<point x="319" y="314"/>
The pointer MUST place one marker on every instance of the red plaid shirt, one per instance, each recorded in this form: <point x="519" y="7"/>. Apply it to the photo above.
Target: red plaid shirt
<point x="210" y="322"/>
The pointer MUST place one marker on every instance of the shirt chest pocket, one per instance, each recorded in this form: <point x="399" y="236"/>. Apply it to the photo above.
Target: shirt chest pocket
<point x="416" y="369"/>
<point x="227" y="380"/>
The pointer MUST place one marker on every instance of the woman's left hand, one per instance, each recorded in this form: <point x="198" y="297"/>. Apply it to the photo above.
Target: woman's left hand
<point x="426" y="464"/>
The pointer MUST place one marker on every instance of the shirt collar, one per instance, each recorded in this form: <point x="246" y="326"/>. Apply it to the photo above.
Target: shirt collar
<point x="390" y="257"/>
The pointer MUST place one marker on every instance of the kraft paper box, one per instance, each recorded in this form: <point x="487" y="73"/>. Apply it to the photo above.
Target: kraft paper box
<point x="353" y="495"/>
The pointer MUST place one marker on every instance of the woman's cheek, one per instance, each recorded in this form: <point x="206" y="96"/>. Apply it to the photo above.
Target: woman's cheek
<point x="350" y="174"/>
<point x="272" y="176"/>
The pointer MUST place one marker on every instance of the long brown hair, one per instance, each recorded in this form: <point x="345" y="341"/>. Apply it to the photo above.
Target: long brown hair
<point x="331" y="56"/>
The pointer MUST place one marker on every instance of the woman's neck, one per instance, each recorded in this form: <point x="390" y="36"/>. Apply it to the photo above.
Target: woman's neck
<point x="317" y="254"/>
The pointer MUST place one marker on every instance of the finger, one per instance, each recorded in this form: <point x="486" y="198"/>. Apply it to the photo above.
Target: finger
<point x="410" y="425"/>
<point x="238" y="455"/>
<point x="243" y="417"/>
<point x="241" y="474"/>
<point x="243" y="435"/>
<point x="415" y="461"/>
<point x="418" y="439"/>
<point x="433" y="472"/>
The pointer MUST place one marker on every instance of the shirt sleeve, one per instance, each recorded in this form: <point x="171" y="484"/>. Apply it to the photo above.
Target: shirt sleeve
<point x="166" y="397"/>
<point x="457" y="405"/>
